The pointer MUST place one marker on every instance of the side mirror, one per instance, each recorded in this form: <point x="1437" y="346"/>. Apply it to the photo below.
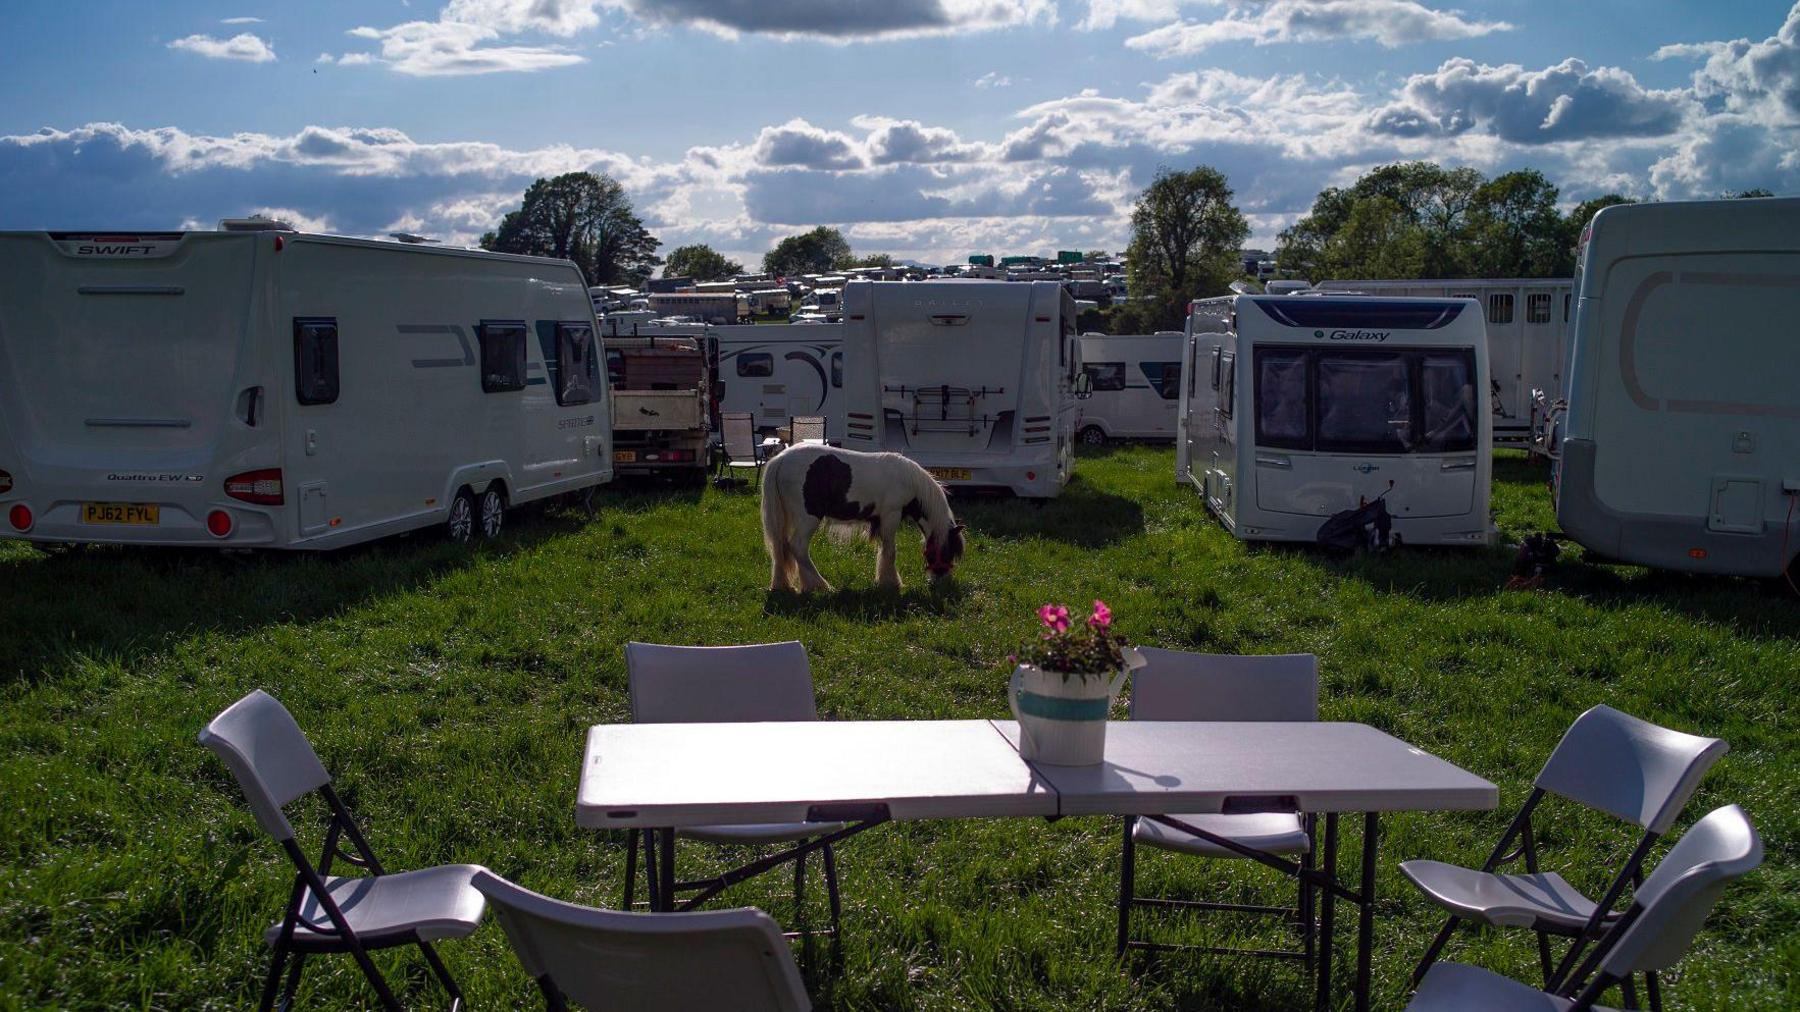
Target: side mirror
<point x="1083" y="385"/>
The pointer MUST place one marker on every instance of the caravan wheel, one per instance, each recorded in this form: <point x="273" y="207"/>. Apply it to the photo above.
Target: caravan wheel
<point x="1093" y="435"/>
<point x="459" y="526"/>
<point x="493" y="512"/>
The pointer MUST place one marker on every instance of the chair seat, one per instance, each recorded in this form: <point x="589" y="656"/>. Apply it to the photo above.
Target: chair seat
<point x="427" y="904"/>
<point x="1455" y="987"/>
<point x="1269" y="832"/>
<point x="1525" y="901"/>
<point x="743" y="463"/>
<point x="760" y="832"/>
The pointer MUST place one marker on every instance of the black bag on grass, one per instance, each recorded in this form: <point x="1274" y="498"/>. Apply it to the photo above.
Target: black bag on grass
<point x="1366" y="526"/>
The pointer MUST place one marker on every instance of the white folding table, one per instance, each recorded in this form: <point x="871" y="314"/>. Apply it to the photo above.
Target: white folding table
<point x="668" y="776"/>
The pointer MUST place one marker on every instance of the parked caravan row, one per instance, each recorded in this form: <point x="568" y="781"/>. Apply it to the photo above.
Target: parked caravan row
<point x="977" y="381"/>
<point x="1296" y="408"/>
<point x="704" y="307"/>
<point x="1136" y="381"/>
<point x="284" y="390"/>
<point x="1527" y="334"/>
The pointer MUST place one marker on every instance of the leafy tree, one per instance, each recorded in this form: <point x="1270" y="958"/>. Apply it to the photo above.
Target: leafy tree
<point x="702" y="263"/>
<point x="814" y="252"/>
<point x="1577" y="221"/>
<point x="1433" y="203"/>
<point x="1516" y="229"/>
<point x="1185" y="236"/>
<point x="584" y="217"/>
<point x="872" y="260"/>
<point x="1095" y="256"/>
<point x="1745" y="194"/>
<point x="1380" y="239"/>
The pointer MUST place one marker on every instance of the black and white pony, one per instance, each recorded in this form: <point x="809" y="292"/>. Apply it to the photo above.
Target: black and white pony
<point x="872" y="493"/>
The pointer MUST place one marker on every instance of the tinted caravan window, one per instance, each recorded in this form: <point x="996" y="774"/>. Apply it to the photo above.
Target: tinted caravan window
<point x="1107" y="376"/>
<point x="315" y="360"/>
<point x="1447" y="388"/>
<point x="1227" y="384"/>
<point x="837" y="369"/>
<point x="577" y="364"/>
<point x="502" y="356"/>
<point x="756" y="363"/>
<point x="1500" y="308"/>
<point x="1164" y="377"/>
<point x="1281" y="408"/>
<point x="1365" y="403"/>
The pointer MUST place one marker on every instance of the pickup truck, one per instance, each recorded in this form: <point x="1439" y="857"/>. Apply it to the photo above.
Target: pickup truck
<point x="661" y="401"/>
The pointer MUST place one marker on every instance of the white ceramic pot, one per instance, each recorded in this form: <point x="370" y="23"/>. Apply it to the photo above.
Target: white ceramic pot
<point x="1062" y="720"/>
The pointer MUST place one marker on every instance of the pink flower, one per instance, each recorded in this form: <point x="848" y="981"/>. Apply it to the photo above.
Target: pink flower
<point x="1102" y="616"/>
<point x="1055" y="616"/>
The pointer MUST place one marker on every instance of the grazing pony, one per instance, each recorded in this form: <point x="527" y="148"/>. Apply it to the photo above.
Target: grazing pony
<point x="871" y="493"/>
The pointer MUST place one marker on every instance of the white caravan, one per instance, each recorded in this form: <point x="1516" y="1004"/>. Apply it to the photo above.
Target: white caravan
<point x="706" y="307"/>
<point x="777" y="372"/>
<point x="1681" y="446"/>
<point x="975" y="380"/>
<point x="282" y="390"/>
<point x="1136" y="381"/>
<point x="1297" y="407"/>
<point x="1527" y="332"/>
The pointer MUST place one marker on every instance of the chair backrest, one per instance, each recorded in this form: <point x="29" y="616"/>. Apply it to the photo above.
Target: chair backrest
<point x="606" y="959"/>
<point x="1629" y="768"/>
<point x="757" y="681"/>
<point x="805" y="427"/>
<point x="738" y="430"/>
<point x="1677" y="896"/>
<point x="1178" y="685"/>
<point x="268" y="755"/>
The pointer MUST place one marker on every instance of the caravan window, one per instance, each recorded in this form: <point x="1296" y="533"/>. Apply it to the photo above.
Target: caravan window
<point x="1164" y="377"/>
<point x="837" y="369"/>
<point x="1566" y="299"/>
<point x="1537" y="309"/>
<point x="502" y="356"/>
<point x="1500" y="307"/>
<point x="1227" y="384"/>
<point x="756" y="363"/>
<point x="577" y="365"/>
<point x="1365" y="403"/>
<point x="316" y="360"/>
<point x="615" y="366"/>
<point x="1281" y="410"/>
<point x="1107" y="376"/>
<point x="1447" y="386"/>
<point x="1215" y="367"/>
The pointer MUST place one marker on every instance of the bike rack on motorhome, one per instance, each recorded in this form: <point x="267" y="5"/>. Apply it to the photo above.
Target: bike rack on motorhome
<point x="274" y="389"/>
<point x="1681" y="445"/>
<point x="975" y="380"/>
<point x="1294" y="408"/>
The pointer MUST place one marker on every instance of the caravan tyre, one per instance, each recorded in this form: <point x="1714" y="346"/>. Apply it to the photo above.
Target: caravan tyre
<point x="459" y="526"/>
<point x="493" y="513"/>
<point x="1093" y="435"/>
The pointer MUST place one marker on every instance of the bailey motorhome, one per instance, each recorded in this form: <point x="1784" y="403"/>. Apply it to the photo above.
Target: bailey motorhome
<point x="1681" y="446"/>
<point x="1527" y="334"/>
<point x="1299" y="407"/>
<point x="778" y="372"/>
<point x="975" y="380"/>
<point x="1136" y="381"/>
<point x="274" y="389"/>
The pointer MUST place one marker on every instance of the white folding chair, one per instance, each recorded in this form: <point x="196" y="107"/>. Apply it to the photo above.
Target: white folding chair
<point x="1177" y="685"/>
<point x="807" y="429"/>
<point x="610" y="959"/>
<point x="1653" y="933"/>
<point x="727" y="684"/>
<point x="1608" y="761"/>
<point x="275" y="765"/>
<point x="737" y="434"/>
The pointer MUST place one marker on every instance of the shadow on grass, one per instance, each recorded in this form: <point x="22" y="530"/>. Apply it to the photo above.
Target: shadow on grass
<point x="869" y="604"/>
<point x="1082" y="516"/>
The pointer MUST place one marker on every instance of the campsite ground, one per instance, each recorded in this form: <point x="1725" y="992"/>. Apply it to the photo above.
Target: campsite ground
<point x="449" y="690"/>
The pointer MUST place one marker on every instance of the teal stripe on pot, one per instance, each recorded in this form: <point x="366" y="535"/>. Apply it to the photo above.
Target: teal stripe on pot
<point x="1060" y="708"/>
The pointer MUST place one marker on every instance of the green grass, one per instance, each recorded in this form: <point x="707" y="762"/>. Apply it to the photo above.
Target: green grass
<point x="448" y="690"/>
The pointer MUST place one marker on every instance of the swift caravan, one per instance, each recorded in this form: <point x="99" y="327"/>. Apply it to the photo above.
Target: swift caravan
<point x="1298" y="407"/>
<point x="776" y="373"/>
<point x="1681" y="446"/>
<point x="281" y="390"/>
<point x="975" y="380"/>
<point x="1527" y="334"/>
<point x="1136" y="381"/>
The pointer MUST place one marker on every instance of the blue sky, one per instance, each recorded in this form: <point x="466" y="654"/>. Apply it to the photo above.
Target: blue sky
<point x="924" y="128"/>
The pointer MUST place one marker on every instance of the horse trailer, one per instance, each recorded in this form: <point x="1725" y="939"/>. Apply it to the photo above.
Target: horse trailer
<point x="776" y="373"/>
<point x="1680" y="448"/>
<point x="1136" y="382"/>
<point x="975" y="380"/>
<point x="1527" y="333"/>
<point x="1294" y="408"/>
<point x="276" y="389"/>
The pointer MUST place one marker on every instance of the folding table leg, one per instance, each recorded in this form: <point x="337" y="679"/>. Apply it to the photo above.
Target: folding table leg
<point x="1327" y="912"/>
<point x="631" y="849"/>
<point x="831" y="891"/>
<point x="1365" y="926"/>
<point x="652" y="880"/>
<point x="666" y="869"/>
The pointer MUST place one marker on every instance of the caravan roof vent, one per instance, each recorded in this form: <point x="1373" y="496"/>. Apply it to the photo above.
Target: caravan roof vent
<point x="254" y="223"/>
<point x="408" y="237"/>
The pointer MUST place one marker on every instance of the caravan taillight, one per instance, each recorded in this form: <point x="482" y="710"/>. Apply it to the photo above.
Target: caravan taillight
<point x="20" y="516"/>
<point x="5" y="482"/>
<point x="260" y="487"/>
<point x="218" y="523"/>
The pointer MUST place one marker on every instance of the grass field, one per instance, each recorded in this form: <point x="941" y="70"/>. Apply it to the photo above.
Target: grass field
<point x="449" y="690"/>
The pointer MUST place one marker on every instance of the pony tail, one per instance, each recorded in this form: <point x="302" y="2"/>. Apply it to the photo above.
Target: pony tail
<point x="775" y="528"/>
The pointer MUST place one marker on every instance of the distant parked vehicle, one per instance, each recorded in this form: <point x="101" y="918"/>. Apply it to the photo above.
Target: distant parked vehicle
<point x="775" y="373"/>
<point x="662" y="404"/>
<point x="1296" y="408"/>
<point x="275" y="389"/>
<point x="824" y="302"/>
<point x="707" y="307"/>
<point x="1136" y="382"/>
<point x="1681" y="445"/>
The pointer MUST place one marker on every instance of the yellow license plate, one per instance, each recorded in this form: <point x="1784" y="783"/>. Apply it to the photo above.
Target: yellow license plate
<point x="624" y="456"/>
<point x="950" y="473"/>
<point x="135" y="513"/>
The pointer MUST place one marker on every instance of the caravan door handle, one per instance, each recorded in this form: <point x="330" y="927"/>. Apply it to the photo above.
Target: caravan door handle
<point x="1458" y="465"/>
<point x="1275" y="460"/>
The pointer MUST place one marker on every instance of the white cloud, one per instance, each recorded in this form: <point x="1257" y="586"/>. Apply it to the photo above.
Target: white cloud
<point x="799" y="143"/>
<point x="842" y="21"/>
<point x="444" y="48"/>
<point x="993" y="79"/>
<point x="240" y="21"/>
<point x="299" y="219"/>
<point x="1103" y="14"/>
<point x="243" y="46"/>
<point x="1390" y="23"/>
<point x="1760" y="80"/>
<point x="892" y="141"/>
<point x="1564" y="102"/>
